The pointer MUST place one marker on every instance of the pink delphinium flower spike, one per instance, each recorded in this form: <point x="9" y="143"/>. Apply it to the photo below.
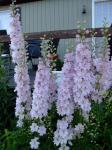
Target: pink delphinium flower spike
<point x="84" y="79"/>
<point x="19" y="57"/>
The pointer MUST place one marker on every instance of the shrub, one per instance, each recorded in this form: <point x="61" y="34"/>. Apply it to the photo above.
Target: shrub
<point x="7" y="101"/>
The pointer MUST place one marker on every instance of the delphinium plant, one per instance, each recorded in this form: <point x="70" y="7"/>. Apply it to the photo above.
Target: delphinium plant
<point x="49" y="50"/>
<point x="65" y="131"/>
<point x="98" y="131"/>
<point x="65" y="118"/>
<point x="21" y="76"/>
<point x="40" y="103"/>
<point x="103" y="67"/>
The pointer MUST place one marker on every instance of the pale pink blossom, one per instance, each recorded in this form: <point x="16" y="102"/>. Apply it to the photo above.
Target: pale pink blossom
<point x="41" y="93"/>
<point x="34" y="143"/>
<point x="65" y="103"/>
<point x="103" y="76"/>
<point x="19" y="57"/>
<point x="84" y="79"/>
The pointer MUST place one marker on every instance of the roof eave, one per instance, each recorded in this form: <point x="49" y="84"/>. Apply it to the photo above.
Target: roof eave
<point x="8" y="2"/>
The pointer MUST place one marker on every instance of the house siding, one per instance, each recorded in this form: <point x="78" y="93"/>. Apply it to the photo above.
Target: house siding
<point x="49" y="15"/>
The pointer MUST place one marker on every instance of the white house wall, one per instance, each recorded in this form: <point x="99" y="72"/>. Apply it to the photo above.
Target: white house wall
<point x="48" y="15"/>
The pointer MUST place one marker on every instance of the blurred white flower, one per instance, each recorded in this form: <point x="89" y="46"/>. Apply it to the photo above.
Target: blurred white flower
<point x="34" y="143"/>
<point x="34" y="127"/>
<point x="41" y="130"/>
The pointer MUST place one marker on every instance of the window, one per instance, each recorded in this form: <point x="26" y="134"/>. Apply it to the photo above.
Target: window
<point x="102" y="9"/>
<point x="5" y="20"/>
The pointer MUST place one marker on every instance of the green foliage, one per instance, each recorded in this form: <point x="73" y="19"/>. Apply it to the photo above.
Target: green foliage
<point x="98" y="133"/>
<point x="7" y="101"/>
<point x="1" y="66"/>
<point x="19" y="138"/>
<point x="15" y="140"/>
<point x="59" y="65"/>
<point x="7" y="104"/>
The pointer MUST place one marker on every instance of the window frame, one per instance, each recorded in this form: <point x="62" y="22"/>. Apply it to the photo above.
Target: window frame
<point x="7" y="10"/>
<point x="93" y="10"/>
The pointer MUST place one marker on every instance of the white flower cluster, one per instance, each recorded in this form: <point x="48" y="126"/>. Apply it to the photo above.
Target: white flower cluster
<point x="64" y="133"/>
<point x="78" y="130"/>
<point x="66" y="105"/>
<point x="45" y="48"/>
<point x="41" y="93"/>
<point x="106" y="80"/>
<point x="84" y="78"/>
<point x="34" y="143"/>
<point x="19" y="57"/>
<point x="53" y="89"/>
<point x="104" y="76"/>
<point x="65" y="90"/>
<point x="43" y="96"/>
<point x="48" y="51"/>
<point x="40" y="129"/>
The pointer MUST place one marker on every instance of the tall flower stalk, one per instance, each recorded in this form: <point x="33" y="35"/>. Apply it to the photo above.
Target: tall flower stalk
<point x="104" y="75"/>
<point x="103" y="67"/>
<point x="65" y="90"/>
<point x="65" y="105"/>
<point x="84" y="79"/>
<point x="41" y="102"/>
<point x="19" y="57"/>
<point x="41" y="93"/>
<point x="49" y="51"/>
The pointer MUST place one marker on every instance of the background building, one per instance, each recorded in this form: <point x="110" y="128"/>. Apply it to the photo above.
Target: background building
<point x="50" y="15"/>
